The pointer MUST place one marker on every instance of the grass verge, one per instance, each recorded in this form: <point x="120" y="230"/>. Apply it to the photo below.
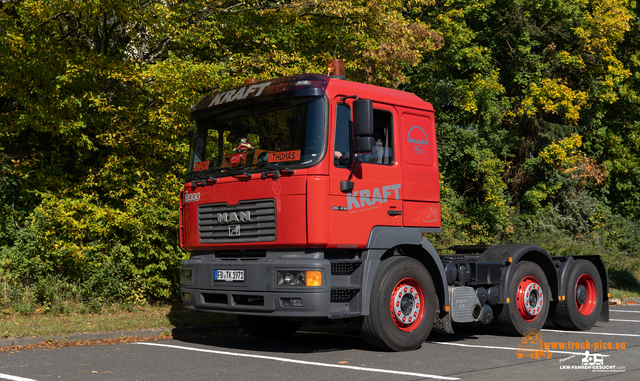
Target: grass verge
<point x="624" y="294"/>
<point x="112" y="318"/>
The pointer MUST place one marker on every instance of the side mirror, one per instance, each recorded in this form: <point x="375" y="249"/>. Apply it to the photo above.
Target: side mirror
<point x="346" y="186"/>
<point x="363" y="117"/>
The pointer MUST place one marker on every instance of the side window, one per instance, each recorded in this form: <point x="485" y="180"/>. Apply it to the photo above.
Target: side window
<point x="342" y="151"/>
<point x="382" y="152"/>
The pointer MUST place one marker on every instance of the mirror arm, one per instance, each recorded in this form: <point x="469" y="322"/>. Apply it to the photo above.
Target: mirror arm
<point x="347" y="186"/>
<point x="344" y="99"/>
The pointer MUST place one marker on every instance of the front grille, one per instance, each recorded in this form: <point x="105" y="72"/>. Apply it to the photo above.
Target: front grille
<point x="244" y="255"/>
<point x="249" y="221"/>
<point x="246" y="300"/>
<point x="215" y="298"/>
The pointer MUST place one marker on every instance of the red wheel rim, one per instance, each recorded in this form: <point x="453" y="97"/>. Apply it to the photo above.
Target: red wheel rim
<point x="586" y="303"/>
<point x="529" y="298"/>
<point x="407" y="304"/>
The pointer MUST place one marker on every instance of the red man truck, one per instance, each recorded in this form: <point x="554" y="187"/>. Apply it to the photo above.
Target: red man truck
<point x="320" y="214"/>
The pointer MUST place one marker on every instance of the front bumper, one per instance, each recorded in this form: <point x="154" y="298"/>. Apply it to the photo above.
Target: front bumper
<point x="258" y="293"/>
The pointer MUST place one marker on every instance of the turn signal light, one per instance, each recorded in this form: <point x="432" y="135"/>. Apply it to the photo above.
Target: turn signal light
<point x="313" y="278"/>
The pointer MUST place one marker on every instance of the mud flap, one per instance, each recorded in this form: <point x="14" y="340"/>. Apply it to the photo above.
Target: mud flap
<point x="604" y="312"/>
<point x="442" y="323"/>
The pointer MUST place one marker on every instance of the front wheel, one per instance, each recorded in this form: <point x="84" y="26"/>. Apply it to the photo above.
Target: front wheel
<point x="529" y="298"/>
<point x="268" y="327"/>
<point x="403" y="305"/>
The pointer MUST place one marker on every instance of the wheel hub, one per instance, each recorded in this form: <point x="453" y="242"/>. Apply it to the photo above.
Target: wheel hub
<point x="586" y="295"/>
<point x="581" y="294"/>
<point x="530" y="298"/>
<point x="533" y="298"/>
<point x="406" y="304"/>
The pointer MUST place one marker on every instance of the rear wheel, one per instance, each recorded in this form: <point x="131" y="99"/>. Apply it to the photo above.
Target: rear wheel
<point x="583" y="297"/>
<point x="268" y="327"/>
<point x="529" y="297"/>
<point x="403" y="305"/>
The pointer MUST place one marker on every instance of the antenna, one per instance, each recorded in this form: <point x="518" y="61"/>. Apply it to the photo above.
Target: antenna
<point x="337" y="42"/>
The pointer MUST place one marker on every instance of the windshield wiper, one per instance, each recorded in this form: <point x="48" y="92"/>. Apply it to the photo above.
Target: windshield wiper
<point x="276" y="170"/>
<point x="205" y="176"/>
<point x="237" y="171"/>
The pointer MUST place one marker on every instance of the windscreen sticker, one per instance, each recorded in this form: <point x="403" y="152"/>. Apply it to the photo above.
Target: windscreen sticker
<point x="241" y="93"/>
<point x="237" y="158"/>
<point x="201" y="166"/>
<point x="276" y="157"/>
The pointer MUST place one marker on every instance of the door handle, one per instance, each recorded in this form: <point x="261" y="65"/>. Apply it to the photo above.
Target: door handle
<point x="394" y="212"/>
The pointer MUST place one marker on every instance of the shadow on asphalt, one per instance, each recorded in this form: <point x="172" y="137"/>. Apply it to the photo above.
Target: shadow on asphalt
<point x="313" y="338"/>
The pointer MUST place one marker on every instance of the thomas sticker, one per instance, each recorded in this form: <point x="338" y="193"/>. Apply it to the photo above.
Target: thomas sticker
<point x="276" y="157"/>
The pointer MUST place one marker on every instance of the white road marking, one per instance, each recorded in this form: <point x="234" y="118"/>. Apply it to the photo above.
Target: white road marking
<point x="505" y="348"/>
<point x="592" y="333"/>
<point x="635" y="312"/>
<point x="630" y="321"/>
<point x="14" y="378"/>
<point x="282" y="359"/>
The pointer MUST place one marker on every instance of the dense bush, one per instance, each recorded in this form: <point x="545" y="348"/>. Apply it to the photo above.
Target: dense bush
<point x="83" y="250"/>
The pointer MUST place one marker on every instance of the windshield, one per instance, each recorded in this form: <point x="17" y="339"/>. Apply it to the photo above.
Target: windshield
<point x="276" y="134"/>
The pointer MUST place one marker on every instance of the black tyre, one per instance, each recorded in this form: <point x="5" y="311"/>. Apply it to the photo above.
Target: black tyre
<point x="581" y="306"/>
<point x="268" y="327"/>
<point x="403" y="306"/>
<point x="529" y="298"/>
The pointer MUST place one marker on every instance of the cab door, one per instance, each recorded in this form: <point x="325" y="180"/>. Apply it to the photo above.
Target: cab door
<point x="376" y="198"/>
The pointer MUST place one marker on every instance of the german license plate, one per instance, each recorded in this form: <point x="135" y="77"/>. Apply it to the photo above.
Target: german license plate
<point x="229" y="275"/>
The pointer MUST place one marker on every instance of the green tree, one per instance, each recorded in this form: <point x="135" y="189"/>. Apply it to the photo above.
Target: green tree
<point x="515" y="78"/>
<point x="94" y="104"/>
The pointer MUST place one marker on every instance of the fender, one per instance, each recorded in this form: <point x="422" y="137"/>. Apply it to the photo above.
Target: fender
<point x="521" y="252"/>
<point x="383" y="238"/>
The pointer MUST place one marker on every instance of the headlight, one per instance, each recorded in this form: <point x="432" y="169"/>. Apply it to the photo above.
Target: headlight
<point x="299" y="278"/>
<point x="291" y="278"/>
<point x="186" y="276"/>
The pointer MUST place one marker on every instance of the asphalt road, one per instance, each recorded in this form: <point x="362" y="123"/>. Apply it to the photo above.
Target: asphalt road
<point x="331" y="353"/>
